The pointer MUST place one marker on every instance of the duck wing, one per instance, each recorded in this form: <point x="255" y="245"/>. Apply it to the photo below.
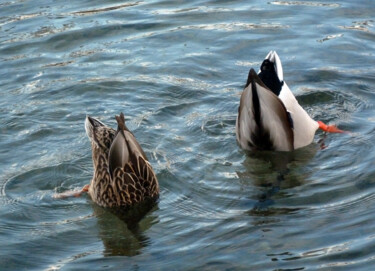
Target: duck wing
<point x="263" y="122"/>
<point x="133" y="178"/>
<point x="124" y="148"/>
<point x="135" y="183"/>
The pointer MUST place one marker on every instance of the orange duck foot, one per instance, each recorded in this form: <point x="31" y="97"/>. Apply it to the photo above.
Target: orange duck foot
<point x="72" y="193"/>
<point x="330" y="128"/>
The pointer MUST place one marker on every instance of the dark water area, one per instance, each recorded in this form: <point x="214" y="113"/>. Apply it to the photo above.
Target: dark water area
<point x="176" y="70"/>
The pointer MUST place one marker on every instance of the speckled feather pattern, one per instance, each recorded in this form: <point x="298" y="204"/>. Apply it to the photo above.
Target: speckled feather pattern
<point x="128" y="185"/>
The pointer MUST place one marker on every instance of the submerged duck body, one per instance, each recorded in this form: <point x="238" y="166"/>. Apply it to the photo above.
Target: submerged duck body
<point x="122" y="174"/>
<point x="269" y="116"/>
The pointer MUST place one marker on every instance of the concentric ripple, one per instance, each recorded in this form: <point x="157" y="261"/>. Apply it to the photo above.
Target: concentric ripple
<point x="177" y="72"/>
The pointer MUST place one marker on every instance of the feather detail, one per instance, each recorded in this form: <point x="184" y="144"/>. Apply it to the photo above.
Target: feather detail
<point x="122" y="175"/>
<point x="263" y="122"/>
<point x="268" y="130"/>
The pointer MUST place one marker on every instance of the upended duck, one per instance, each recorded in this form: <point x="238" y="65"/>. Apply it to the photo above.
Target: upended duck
<point x="122" y="174"/>
<point x="269" y="116"/>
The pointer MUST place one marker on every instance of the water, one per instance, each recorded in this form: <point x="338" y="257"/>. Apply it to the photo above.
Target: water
<point x="176" y="69"/>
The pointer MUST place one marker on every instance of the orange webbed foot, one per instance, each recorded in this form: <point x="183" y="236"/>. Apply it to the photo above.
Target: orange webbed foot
<point x="330" y="128"/>
<point x="72" y="193"/>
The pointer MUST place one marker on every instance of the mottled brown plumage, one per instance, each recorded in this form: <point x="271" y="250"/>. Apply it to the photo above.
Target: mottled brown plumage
<point x="122" y="174"/>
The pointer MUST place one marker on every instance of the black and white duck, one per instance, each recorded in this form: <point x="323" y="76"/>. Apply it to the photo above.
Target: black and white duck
<point x="269" y="116"/>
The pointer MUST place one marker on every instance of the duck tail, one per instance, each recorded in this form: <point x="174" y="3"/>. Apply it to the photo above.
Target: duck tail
<point x="121" y="126"/>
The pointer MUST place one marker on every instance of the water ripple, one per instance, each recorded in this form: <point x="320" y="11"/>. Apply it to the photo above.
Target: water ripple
<point x="235" y="26"/>
<point x="105" y="9"/>
<point x="177" y="72"/>
<point x="305" y="3"/>
<point x="364" y="26"/>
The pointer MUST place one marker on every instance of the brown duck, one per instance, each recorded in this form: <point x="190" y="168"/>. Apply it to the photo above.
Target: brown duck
<point x="122" y="174"/>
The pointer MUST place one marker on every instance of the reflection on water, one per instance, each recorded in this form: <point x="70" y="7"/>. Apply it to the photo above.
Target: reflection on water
<point x="272" y="173"/>
<point x="123" y="233"/>
<point x="177" y="71"/>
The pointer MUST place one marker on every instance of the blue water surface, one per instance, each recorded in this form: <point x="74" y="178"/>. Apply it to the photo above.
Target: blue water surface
<point x="176" y="69"/>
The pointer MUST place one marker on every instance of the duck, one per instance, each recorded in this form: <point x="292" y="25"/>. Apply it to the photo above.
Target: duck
<point x="123" y="176"/>
<point x="269" y="115"/>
